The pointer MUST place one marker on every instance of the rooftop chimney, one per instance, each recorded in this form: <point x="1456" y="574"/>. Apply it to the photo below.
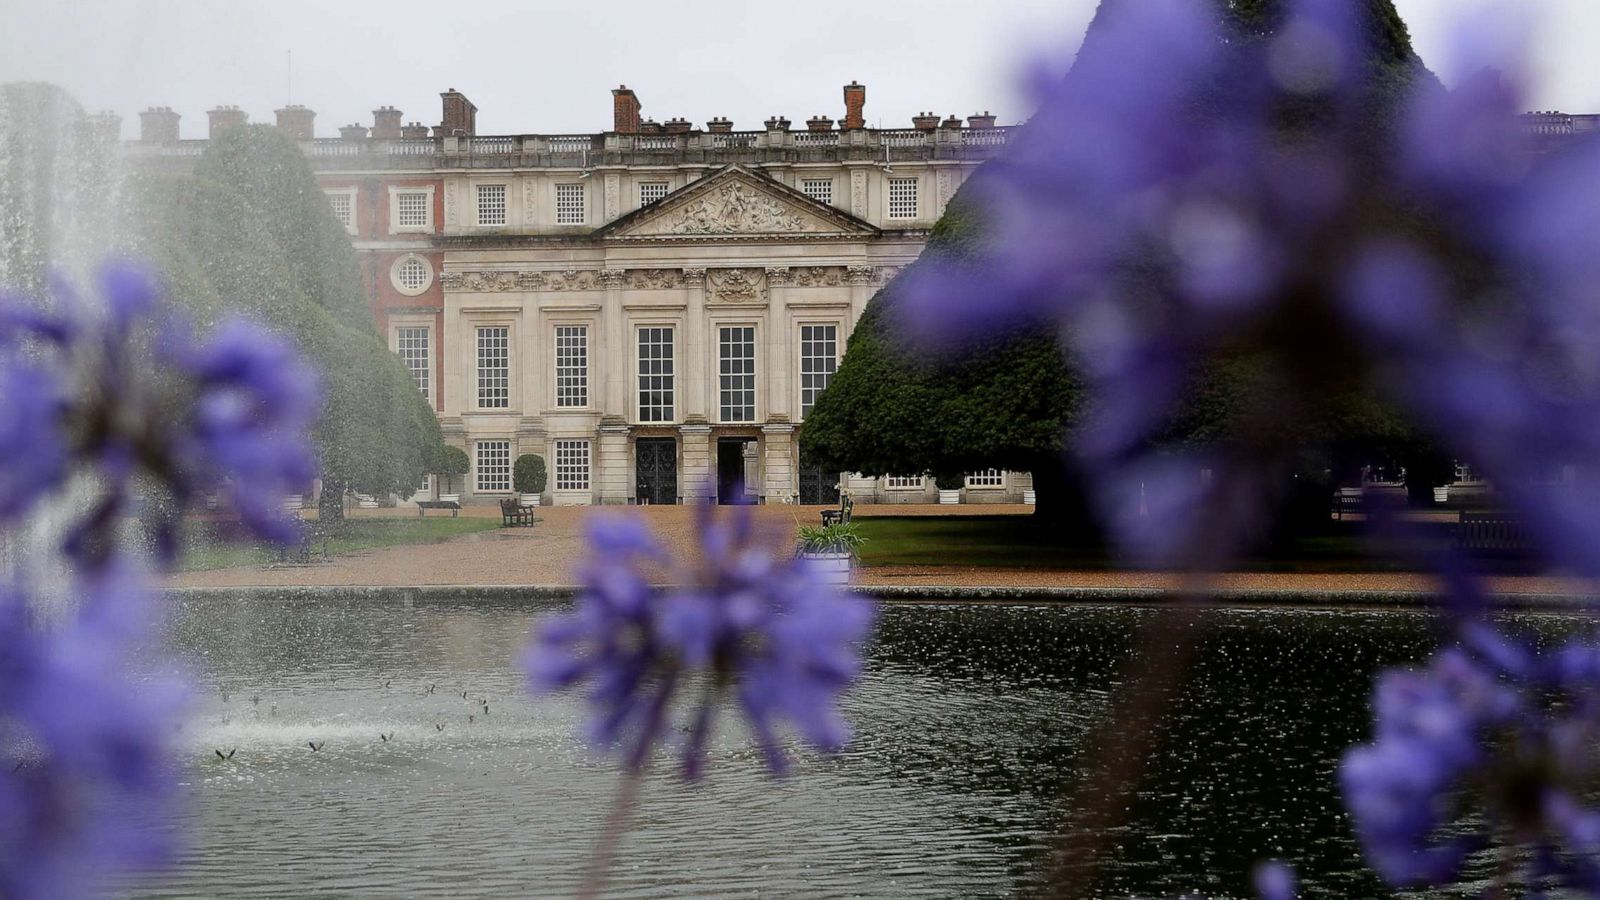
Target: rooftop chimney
<point x="414" y="131"/>
<point x="649" y="126"/>
<point x="953" y="122"/>
<point x="355" y="131"/>
<point x="720" y="125"/>
<point x="855" y="100"/>
<point x="224" y="117"/>
<point x="298" y="121"/>
<point x="386" y="123"/>
<point x="819" y="123"/>
<point x="460" y="116"/>
<point x="158" y="124"/>
<point x="985" y="120"/>
<point x="777" y="123"/>
<point x="106" y="125"/>
<point x="676" y="126"/>
<point x="925" y="121"/>
<point x="625" y="109"/>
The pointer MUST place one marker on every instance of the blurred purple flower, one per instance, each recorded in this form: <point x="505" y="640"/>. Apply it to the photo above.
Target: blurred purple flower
<point x="31" y="443"/>
<point x="1489" y="725"/>
<point x="86" y="779"/>
<point x="738" y="621"/>
<point x="1274" y="880"/>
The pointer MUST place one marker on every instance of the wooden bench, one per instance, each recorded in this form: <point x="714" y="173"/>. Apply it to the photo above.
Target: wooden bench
<point x="1492" y="533"/>
<point x="513" y="514"/>
<point x="840" y="516"/>
<point x="453" y="506"/>
<point x="306" y="546"/>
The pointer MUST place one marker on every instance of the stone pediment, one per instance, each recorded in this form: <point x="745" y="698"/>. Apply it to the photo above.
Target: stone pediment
<point x="735" y="202"/>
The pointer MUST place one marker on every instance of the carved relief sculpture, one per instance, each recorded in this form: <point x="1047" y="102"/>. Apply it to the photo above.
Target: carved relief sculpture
<point x="858" y="193"/>
<point x="613" y="278"/>
<point x="817" y="276"/>
<point x="778" y="275"/>
<point x="654" y="279"/>
<point x="613" y="197"/>
<point x="860" y="274"/>
<point x="736" y="285"/>
<point x="694" y="276"/>
<point x="736" y="208"/>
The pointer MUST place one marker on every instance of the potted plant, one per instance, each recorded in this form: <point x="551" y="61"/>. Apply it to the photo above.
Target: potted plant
<point x="949" y="489"/>
<point x="831" y="550"/>
<point x="452" y="463"/>
<point x="528" y="476"/>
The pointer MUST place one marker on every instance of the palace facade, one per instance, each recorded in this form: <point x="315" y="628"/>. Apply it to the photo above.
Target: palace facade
<point x="653" y="309"/>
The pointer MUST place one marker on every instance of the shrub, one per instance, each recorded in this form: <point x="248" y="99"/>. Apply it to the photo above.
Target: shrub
<point x="452" y="463"/>
<point x="949" y="482"/>
<point x="528" y="475"/>
<point x="836" y="538"/>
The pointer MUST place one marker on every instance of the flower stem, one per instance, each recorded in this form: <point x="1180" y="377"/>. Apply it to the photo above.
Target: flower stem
<point x="616" y="824"/>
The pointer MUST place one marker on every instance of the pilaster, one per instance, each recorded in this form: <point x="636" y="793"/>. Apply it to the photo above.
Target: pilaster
<point x="697" y="460"/>
<point x="611" y="481"/>
<point x="696" y="367"/>
<point x="777" y="464"/>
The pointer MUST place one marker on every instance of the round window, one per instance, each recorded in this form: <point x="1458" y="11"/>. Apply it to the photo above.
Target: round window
<point x="411" y="275"/>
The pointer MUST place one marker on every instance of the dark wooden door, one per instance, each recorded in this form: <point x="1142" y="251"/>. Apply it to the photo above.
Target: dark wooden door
<point x="655" y="463"/>
<point x="818" y="488"/>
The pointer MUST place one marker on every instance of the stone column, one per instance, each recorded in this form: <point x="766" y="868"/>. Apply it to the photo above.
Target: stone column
<point x="780" y="347"/>
<point x="695" y="373"/>
<point x="697" y="461"/>
<point x="611" y="482"/>
<point x="612" y="354"/>
<point x="777" y="464"/>
<point x="863" y="284"/>
<point x="613" y="197"/>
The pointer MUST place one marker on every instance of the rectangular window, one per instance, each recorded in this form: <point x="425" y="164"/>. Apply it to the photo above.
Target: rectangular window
<point x="818" y="189"/>
<point x="903" y="482"/>
<point x="651" y="191"/>
<point x="491" y="204"/>
<point x="655" y="374"/>
<point x="494" y="368"/>
<point x="572" y="365"/>
<point x="411" y="209"/>
<point x="737" y="357"/>
<point x="987" y="478"/>
<point x="571" y="205"/>
<point x="819" y="359"/>
<point x="413" y="344"/>
<point x="494" y="466"/>
<point x="572" y="465"/>
<point x="902" y="198"/>
<point x="343" y="208"/>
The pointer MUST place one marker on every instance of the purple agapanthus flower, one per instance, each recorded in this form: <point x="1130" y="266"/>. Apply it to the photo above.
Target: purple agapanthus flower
<point x="87" y="781"/>
<point x="31" y="440"/>
<point x="740" y="622"/>
<point x="1490" y="728"/>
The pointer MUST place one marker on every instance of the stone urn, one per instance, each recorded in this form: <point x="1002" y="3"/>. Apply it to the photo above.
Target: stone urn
<point x="449" y="498"/>
<point x="1441" y="494"/>
<point x="830" y="566"/>
<point x="294" y="502"/>
<point x="1029" y="498"/>
<point x="530" y="499"/>
<point x="949" y="498"/>
<point x="365" y="502"/>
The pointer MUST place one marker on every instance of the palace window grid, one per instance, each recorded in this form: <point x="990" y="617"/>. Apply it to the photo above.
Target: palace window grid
<point x="986" y="478"/>
<point x="491" y="204"/>
<point x="651" y="191"/>
<point x="413" y="346"/>
<point x="819" y="359"/>
<point x="494" y="368"/>
<point x="656" y="386"/>
<point x="413" y="273"/>
<point x="494" y="466"/>
<point x="571" y="204"/>
<point x="572" y="365"/>
<point x="904" y="482"/>
<point x="818" y="189"/>
<point x="737" y="358"/>
<point x="572" y="465"/>
<point x="411" y="209"/>
<point x="344" y="208"/>
<point x="902" y="198"/>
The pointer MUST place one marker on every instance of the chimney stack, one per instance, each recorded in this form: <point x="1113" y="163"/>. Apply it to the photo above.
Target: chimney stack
<point x="355" y="131"/>
<point x="460" y="116"/>
<point x="625" y="109"/>
<point x="819" y="123"/>
<point x="720" y="125"/>
<point x="106" y="125"/>
<point x="298" y="121"/>
<point x="855" y="101"/>
<point x="224" y="117"/>
<point x="777" y="123"/>
<point x="981" y="121"/>
<point x="649" y="126"/>
<point x="158" y="125"/>
<point x="414" y="131"/>
<point x="925" y="121"/>
<point x="953" y="122"/>
<point x="386" y="123"/>
<point x="676" y="126"/>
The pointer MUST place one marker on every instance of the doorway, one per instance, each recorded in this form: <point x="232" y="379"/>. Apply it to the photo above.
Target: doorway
<point x="818" y="488"/>
<point x="655" y="465"/>
<point x="734" y="458"/>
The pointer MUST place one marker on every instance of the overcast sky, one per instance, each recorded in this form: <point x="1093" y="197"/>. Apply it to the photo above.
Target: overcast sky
<point x="534" y="66"/>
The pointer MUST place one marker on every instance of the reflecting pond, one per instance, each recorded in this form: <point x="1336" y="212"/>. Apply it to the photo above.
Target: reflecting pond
<point x="968" y="726"/>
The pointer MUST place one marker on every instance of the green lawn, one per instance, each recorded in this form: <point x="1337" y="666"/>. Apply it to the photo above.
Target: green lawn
<point x="205" y="550"/>
<point x="1018" y="542"/>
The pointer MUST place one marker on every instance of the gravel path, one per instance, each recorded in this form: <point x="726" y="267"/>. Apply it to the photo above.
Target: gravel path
<point x="546" y="553"/>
